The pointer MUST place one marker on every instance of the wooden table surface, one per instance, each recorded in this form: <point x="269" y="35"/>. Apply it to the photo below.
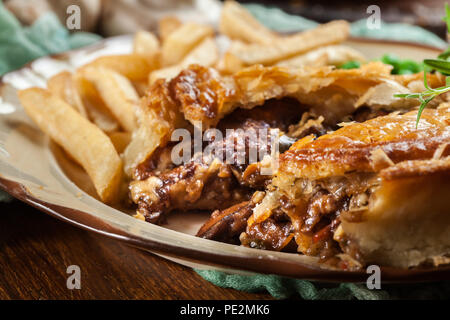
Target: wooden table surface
<point x="36" y="249"/>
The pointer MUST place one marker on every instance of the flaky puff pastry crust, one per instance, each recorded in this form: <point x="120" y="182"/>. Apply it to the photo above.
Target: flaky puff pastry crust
<point x="406" y="221"/>
<point x="369" y="146"/>
<point x="205" y="96"/>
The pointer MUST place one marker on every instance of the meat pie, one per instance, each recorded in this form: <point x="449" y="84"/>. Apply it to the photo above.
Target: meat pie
<point x="372" y="192"/>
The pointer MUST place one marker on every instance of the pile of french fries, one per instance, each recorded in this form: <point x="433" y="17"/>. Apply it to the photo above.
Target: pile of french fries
<point x="95" y="113"/>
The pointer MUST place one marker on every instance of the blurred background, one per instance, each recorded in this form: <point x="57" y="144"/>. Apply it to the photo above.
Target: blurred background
<point x="113" y="17"/>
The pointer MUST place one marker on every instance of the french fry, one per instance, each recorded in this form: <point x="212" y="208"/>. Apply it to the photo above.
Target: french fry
<point x="118" y="94"/>
<point x="206" y="54"/>
<point x="120" y="140"/>
<point x="237" y="23"/>
<point x="103" y="118"/>
<point x="96" y="109"/>
<point x="286" y="47"/>
<point x="329" y="55"/>
<point x="146" y="44"/>
<point x="307" y="59"/>
<point x="85" y="143"/>
<point x="63" y="86"/>
<point x="140" y="87"/>
<point x="135" y="67"/>
<point x="167" y="25"/>
<point x="181" y="41"/>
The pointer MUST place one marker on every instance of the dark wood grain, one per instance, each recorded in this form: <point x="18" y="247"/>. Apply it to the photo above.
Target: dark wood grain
<point x="35" y="251"/>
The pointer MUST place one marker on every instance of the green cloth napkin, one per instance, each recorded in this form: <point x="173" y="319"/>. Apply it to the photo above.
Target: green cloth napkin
<point x="278" y="20"/>
<point x="282" y="288"/>
<point x="19" y="45"/>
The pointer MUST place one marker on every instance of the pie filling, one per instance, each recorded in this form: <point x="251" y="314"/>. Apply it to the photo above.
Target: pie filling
<point x="306" y="219"/>
<point x="206" y="183"/>
<point x="280" y="213"/>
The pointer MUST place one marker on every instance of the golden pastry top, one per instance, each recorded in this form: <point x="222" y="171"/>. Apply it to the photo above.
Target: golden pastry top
<point x="369" y="146"/>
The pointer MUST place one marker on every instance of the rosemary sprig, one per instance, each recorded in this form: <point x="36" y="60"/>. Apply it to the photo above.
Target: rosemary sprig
<point x="430" y="93"/>
<point x="442" y="65"/>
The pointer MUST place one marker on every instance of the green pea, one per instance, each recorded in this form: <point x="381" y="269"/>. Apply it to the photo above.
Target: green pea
<point x="350" y="65"/>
